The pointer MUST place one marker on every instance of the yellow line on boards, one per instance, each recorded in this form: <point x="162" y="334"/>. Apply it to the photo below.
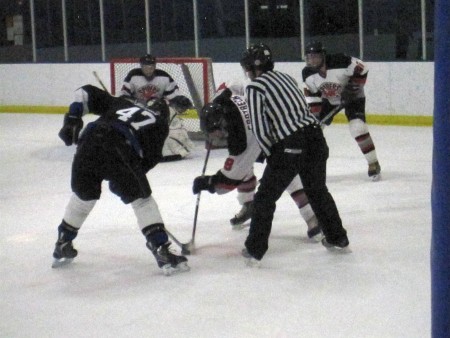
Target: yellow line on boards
<point x="400" y="120"/>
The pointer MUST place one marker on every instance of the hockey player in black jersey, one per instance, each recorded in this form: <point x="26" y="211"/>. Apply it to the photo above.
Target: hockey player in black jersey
<point x="336" y="81"/>
<point x="120" y="147"/>
<point x="228" y="116"/>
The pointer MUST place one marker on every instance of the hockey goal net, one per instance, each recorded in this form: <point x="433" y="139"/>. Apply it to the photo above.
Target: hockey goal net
<point x="194" y="77"/>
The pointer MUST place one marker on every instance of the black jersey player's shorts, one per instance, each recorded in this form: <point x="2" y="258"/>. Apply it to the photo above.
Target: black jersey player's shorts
<point x="104" y="154"/>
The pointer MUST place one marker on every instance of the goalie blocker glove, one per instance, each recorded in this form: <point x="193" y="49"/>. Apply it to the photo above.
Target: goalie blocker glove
<point x="180" y="103"/>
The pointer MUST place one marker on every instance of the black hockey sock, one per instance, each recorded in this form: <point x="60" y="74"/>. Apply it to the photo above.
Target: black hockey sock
<point x="66" y="232"/>
<point x="155" y="234"/>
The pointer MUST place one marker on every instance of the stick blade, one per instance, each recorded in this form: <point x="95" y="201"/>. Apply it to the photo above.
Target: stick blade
<point x="188" y="248"/>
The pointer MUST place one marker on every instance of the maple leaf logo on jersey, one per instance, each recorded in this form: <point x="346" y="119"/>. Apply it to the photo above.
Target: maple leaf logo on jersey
<point x="330" y="89"/>
<point x="148" y="92"/>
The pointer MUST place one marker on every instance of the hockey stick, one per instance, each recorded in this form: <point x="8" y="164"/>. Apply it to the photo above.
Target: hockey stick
<point x="189" y="247"/>
<point x="332" y="113"/>
<point x="177" y="242"/>
<point x="100" y="81"/>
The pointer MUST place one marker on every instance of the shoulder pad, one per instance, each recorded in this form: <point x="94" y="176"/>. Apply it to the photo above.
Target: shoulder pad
<point x="160" y="72"/>
<point x="134" y="72"/>
<point x="308" y="71"/>
<point x="223" y="96"/>
<point x="340" y="60"/>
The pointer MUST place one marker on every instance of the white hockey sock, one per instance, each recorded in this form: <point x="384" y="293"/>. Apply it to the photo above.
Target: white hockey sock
<point x="246" y="190"/>
<point x="77" y="211"/>
<point x="360" y="132"/>
<point x="146" y="211"/>
<point x="309" y="216"/>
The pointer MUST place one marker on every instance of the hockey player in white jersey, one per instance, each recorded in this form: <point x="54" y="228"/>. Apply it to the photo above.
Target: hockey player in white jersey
<point x="334" y="82"/>
<point x="228" y="114"/>
<point x="147" y="83"/>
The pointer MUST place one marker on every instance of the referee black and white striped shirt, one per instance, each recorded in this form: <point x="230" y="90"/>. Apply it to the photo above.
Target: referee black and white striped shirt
<point x="277" y="108"/>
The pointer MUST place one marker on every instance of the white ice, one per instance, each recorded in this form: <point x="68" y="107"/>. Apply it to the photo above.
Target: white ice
<point x="115" y="289"/>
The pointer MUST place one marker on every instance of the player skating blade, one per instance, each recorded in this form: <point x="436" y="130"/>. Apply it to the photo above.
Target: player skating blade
<point x="374" y="171"/>
<point x="340" y="245"/>
<point x="237" y="222"/>
<point x="170" y="270"/>
<point x="61" y="262"/>
<point x="169" y="262"/>
<point x="64" y="252"/>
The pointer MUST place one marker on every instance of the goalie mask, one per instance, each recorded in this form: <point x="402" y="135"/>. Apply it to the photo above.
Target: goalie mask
<point x="147" y="59"/>
<point x="212" y="118"/>
<point x="148" y="64"/>
<point x="257" y="57"/>
<point x="315" y="54"/>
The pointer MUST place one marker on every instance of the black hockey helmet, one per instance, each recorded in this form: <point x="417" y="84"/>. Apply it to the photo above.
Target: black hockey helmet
<point x="257" y="57"/>
<point x="212" y="117"/>
<point x="147" y="59"/>
<point x="314" y="47"/>
<point x="315" y="54"/>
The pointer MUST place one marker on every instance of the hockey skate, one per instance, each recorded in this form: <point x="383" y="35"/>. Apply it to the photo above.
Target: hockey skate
<point x="167" y="261"/>
<point x="250" y="261"/>
<point x="314" y="229"/>
<point x="338" y="245"/>
<point x="374" y="171"/>
<point x="237" y="222"/>
<point x="316" y="233"/>
<point x="64" y="253"/>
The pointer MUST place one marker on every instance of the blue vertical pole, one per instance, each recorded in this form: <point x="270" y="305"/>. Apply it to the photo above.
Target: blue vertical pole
<point x="440" y="189"/>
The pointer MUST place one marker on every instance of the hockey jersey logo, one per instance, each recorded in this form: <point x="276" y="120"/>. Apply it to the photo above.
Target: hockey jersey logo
<point x="148" y="92"/>
<point x="330" y="89"/>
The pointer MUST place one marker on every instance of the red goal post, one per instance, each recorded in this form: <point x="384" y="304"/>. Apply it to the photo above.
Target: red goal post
<point x="194" y="77"/>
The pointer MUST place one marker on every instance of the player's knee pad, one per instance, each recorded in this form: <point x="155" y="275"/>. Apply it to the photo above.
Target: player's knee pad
<point x="357" y="127"/>
<point x="77" y="211"/>
<point x="155" y="234"/>
<point x="146" y="211"/>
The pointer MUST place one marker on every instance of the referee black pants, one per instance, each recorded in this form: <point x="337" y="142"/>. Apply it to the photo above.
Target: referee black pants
<point x="305" y="152"/>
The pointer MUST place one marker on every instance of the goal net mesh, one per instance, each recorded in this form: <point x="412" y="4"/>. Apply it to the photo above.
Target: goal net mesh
<point x="194" y="77"/>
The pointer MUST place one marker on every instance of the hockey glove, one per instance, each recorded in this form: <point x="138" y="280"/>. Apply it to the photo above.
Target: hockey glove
<point x="71" y="129"/>
<point x="203" y="183"/>
<point x="180" y="103"/>
<point x="161" y="106"/>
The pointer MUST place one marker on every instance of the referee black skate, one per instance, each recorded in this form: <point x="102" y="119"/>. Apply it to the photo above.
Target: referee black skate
<point x="293" y="142"/>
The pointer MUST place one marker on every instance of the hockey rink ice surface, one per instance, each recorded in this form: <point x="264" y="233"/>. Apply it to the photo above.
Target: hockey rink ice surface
<point x="115" y="289"/>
